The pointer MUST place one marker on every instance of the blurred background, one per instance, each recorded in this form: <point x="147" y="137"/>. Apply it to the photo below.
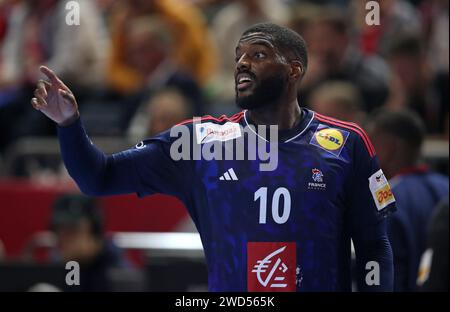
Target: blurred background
<point x="137" y="67"/>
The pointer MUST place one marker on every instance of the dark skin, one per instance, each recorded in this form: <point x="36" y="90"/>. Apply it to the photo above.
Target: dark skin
<point x="257" y="54"/>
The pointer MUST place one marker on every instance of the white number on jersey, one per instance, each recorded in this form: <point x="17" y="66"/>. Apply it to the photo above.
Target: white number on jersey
<point x="280" y="218"/>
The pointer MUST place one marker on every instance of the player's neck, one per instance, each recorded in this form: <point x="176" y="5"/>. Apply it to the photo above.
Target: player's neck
<point x="285" y="116"/>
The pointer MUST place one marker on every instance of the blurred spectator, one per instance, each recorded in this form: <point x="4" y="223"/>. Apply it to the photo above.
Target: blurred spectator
<point x="436" y="27"/>
<point x="339" y="100"/>
<point x="148" y="53"/>
<point x="397" y="17"/>
<point x="105" y="7"/>
<point x="433" y="272"/>
<point x="301" y="16"/>
<point x="397" y="138"/>
<point x="38" y="34"/>
<point x="413" y="84"/>
<point x="147" y="50"/>
<point x="163" y="110"/>
<point x="229" y="24"/>
<point x="78" y="225"/>
<point x="333" y="56"/>
<point x="5" y="8"/>
<point x="192" y="48"/>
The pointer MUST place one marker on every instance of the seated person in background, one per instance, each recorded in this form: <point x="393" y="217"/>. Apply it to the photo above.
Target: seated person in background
<point x="335" y="56"/>
<point x="37" y="32"/>
<point x="414" y="86"/>
<point x="396" y="17"/>
<point x="193" y="50"/>
<point x="149" y="54"/>
<point x="398" y="137"/>
<point x="338" y="99"/>
<point x="78" y="225"/>
<point x="163" y="110"/>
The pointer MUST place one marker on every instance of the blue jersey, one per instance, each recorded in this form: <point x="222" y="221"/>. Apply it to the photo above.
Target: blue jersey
<point x="418" y="191"/>
<point x="287" y="229"/>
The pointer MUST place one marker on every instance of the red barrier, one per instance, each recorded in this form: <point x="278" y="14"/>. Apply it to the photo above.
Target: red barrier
<point x="25" y="209"/>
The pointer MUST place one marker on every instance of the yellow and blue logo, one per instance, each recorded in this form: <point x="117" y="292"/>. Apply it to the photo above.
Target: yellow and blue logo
<point x="330" y="139"/>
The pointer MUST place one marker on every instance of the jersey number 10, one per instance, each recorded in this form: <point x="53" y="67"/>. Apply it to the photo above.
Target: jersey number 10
<point x="278" y="217"/>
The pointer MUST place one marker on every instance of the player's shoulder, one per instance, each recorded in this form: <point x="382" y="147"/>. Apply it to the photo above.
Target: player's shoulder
<point x="348" y="133"/>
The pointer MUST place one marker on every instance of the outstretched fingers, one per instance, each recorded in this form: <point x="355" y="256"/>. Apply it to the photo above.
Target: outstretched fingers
<point x="54" y="80"/>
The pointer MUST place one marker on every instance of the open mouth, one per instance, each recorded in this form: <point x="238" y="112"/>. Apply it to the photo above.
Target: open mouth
<point x="243" y="81"/>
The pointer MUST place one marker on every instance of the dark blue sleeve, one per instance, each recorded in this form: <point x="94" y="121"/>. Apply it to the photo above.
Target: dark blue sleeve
<point x="370" y="202"/>
<point x="401" y="248"/>
<point x="145" y="169"/>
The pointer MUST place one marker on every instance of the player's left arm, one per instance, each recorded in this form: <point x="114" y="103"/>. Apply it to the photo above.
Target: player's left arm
<point x="370" y="202"/>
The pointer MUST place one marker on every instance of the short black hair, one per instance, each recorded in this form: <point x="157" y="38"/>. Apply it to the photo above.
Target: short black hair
<point x="403" y="124"/>
<point x="287" y="40"/>
<point x="69" y="209"/>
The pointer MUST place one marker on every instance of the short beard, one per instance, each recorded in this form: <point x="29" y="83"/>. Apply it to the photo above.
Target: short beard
<point x="266" y="92"/>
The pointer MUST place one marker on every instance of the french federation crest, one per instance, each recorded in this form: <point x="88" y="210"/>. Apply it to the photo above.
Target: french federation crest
<point x="317" y="175"/>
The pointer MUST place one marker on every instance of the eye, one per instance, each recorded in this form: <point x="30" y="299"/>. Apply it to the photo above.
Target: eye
<point x="260" y="55"/>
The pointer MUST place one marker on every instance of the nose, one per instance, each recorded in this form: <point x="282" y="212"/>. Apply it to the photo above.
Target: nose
<point x="243" y="63"/>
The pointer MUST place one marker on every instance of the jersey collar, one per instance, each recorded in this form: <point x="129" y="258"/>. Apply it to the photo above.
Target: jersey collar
<point x="288" y="135"/>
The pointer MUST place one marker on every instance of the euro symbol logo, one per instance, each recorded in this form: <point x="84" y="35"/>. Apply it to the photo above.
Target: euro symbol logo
<point x="263" y="265"/>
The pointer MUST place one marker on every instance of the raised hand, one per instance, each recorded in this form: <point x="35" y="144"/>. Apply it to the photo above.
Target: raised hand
<point x="54" y="99"/>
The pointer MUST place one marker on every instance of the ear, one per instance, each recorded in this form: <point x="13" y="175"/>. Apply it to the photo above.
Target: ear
<point x="296" y="71"/>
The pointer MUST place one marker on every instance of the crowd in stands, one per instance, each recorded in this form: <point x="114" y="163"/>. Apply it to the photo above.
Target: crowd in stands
<point x="123" y="53"/>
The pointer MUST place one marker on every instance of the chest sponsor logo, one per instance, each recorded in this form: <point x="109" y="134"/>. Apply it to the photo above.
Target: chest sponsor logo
<point x="271" y="266"/>
<point x="380" y="189"/>
<point x="209" y="132"/>
<point x="330" y="139"/>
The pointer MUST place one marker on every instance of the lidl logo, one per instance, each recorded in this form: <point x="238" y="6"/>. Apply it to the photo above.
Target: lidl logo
<point x="329" y="139"/>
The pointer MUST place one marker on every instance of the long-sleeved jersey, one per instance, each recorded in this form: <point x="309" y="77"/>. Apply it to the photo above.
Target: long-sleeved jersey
<point x="286" y="228"/>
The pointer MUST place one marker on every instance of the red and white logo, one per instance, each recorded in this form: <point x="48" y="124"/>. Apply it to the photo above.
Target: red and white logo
<point x="271" y="266"/>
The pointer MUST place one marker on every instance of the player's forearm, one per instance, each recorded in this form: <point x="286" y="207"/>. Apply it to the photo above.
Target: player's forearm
<point x="84" y="162"/>
<point x="374" y="260"/>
